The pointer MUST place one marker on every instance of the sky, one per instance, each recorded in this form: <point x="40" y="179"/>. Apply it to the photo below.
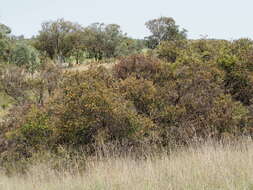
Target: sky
<point x="221" y="19"/>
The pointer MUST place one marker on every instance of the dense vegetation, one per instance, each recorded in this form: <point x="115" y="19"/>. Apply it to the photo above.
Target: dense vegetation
<point x="163" y="90"/>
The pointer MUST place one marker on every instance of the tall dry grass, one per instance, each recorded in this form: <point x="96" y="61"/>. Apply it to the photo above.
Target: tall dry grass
<point x="200" y="166"/>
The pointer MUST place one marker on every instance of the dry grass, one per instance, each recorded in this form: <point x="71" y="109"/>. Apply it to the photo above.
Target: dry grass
<point x="85" y="67"/>
<point x="209" y="166"/>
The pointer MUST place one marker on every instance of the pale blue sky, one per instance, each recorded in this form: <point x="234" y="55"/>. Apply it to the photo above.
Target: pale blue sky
<point x="227" y="19"/>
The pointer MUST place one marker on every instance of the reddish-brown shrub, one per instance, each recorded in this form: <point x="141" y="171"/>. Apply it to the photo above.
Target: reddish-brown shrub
<point x="139" y="66"/>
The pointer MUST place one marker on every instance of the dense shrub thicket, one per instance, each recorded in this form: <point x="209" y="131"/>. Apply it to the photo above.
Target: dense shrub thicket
<point x="179" y="91"/>
<point x="142" y="100"/>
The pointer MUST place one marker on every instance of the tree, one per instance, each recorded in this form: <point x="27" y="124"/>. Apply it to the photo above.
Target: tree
<point x="4" y="30"/>
<point x="4" y="42"/>
<point x="52" y="38"/>
<point x="129" y="46"/>
<point x="94" y="40"/>
<point x="162" y="29"/>
<point x="114" y="36"/>
<point x="103" y="40"/>
<point x="74" y="43"/>
<point x="25" y="55"/>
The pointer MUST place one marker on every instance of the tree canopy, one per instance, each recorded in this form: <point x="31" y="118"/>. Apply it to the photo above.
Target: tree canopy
<point x="163" y="29"/>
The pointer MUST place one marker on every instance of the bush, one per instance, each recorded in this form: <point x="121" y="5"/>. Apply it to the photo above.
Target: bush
<point x="83" y="114"/>
<point x="238" y="79"/>
<point x="91" y="112"/>
<point x="34" y="132"/>
<point x="170" y="50"/>
<point x="27" y="56"/>
<point x="144" y="100"/>
<point x="139" y="66"/>
<point x="142" y="93"/>
<point x="13" y="82"/>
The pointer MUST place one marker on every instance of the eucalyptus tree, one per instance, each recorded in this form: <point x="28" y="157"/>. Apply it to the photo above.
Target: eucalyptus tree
<point x="53" y="38"/>
<point x="163" y="29"/>
<point x="103" y="41"/>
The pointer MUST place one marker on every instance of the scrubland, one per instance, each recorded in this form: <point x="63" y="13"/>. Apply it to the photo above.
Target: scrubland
<point x="87" y="107"/>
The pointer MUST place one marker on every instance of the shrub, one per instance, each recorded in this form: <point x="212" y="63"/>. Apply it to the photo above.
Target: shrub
<point x="27" y="56"/>
<point x="80" y="115"/>
<point x="142" y="99"/>
<point x="35" y="131"/>
<point x="238" y="79"/>
<point x="139" y="66"/>
<point x="13" y="82"/>
<point x="90" y="112"/>
<point x="170" y="50"/>
<point x="142" y="93"/>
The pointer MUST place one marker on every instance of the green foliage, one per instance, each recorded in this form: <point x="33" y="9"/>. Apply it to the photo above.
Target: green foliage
<point x="105" y="41"/>
<point x="82" y="114"/>
<point x="237" y="66"/>
<point x="54" y="38"/>
<point x="170" y="50"/>
<point x="5" y="44"/>
<point x="243" y="50"/>
<point x="61" y="40"/>
<point x="91" y="112"/>
<point x="163" y="29"/>
<point x="228" y="62"/>
<point x="74" y="45"/>
<point x="142" y="93"/>
<point x="182" y="99"/>
<point x="36" y="129"/>
<point x="128" y="46"/>
<point x="4" y="30"/>
<point x="27" y="56"/>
